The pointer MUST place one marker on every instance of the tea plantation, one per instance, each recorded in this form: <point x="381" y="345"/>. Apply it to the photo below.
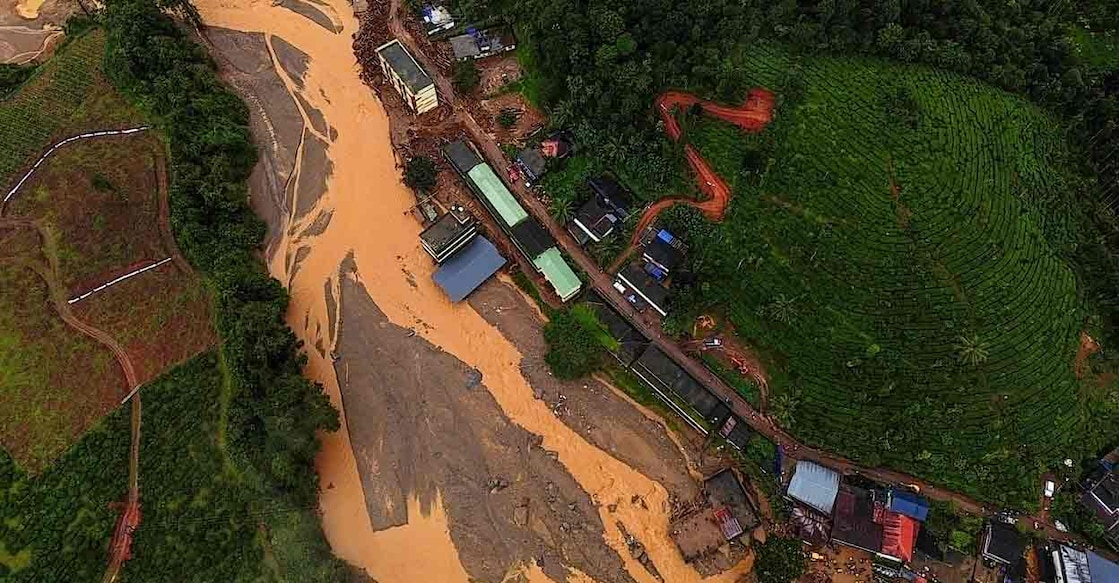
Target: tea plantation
<point x="897" y="248"/>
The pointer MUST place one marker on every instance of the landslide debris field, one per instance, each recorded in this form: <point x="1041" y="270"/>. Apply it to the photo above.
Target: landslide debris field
<point x="93" y="211"/>
<point x="911" y="288"/>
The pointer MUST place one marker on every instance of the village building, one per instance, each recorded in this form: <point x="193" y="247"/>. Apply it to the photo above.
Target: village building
<point x="640" y="288"/>
<point x="468" y="269"/>
<point x="407" y="77"/>
<point x="1002" y="543"/>
<point x="862" y="521"/>
<point x="1068" y="565"/>
<point x="630" y="341"/>
<point x="1101" y="496"/>
<point x="679" y="389"/>
<point x="448" y="234"/>
<point x="665" y="252"/>
<point x="815" y="486"/>
<point x="479" y="44"/>
<point x="722" y="514"/>
<point x="607" y="208"/>
<point x="908" y="504"/>
<point x="530" y="238"/>
<point x="437" y="19"/>
<point x="532" y="162"/>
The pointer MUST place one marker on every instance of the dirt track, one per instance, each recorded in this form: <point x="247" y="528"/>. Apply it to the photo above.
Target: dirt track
<point x="752" y="116"/>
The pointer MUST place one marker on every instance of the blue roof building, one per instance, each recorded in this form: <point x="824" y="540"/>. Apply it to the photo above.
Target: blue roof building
<point x="468" y="269"/>
<point x="909" y="504"/>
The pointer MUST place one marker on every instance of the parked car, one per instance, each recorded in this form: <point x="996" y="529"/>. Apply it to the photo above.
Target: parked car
<point x="1050" y="488"/>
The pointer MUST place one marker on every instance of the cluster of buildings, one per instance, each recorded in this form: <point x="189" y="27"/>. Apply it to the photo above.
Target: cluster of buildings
<point x="526" y="233"/>
<point x="885" y="522"/>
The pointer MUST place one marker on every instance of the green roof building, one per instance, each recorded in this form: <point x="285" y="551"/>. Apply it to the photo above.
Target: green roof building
<point x="499" y="198"/>
<point x="558" y="273"/>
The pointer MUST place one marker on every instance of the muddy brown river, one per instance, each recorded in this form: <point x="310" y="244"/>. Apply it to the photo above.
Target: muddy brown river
<point x="345" y="199"/>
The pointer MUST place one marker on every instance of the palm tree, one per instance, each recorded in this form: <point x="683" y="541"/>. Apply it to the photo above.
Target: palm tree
<point x="971" y="350"/>
<point x="561" y="209"/>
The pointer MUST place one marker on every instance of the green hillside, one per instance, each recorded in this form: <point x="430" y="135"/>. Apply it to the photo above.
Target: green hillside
<point x="896" y="248"/>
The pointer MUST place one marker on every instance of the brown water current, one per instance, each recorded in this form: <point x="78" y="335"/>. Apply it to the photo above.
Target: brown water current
<point x="368" y="208"/>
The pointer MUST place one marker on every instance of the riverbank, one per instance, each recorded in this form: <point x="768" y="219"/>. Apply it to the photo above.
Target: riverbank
<point x="406" y="484"/>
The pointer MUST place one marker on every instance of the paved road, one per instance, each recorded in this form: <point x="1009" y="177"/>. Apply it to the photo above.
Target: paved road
<point x="603" y="284"/>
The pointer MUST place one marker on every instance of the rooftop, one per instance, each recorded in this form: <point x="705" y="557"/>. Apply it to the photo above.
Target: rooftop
<point x="595" y="219"/>
<point x="558" y="273"/>
<point x="724" y="490"/>
<point x="654" y="366"/>
<point x="663" y="253"/>
<point x="497" y="195"/>
<point x="815" y="486"/>
<point x="642" y="285"/>
<point x="531" y="162"/>
<point x="405" y="66"/>
<point x="899" y="535"/>
<point x="909" y="504"/>
<point x="447" y="234"/>
<point x="468" y="269"/>
<point x="1003" y="543"/>
<point x="482" y="43"/>
<point x="854" y="519"/>
<point x="461" y="156"/>
<point x="610" y="194"/>
<point x="532" y="238"/>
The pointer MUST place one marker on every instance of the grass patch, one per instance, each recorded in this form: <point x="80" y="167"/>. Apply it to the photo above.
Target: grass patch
<point x="1098" y="51"/>
<point x="907" y="268"/>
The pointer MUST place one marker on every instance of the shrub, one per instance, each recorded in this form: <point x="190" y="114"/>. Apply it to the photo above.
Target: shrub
<point x="465" y="76"/>
<point x="780" y="560"/>
<point x="420" y="174"/>
<point x="574" y="346"/>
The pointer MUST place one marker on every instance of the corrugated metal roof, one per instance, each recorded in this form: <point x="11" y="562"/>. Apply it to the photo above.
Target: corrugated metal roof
<point x="815" y="485"/>
<point x="468" y="269"/>
<point x="558" y="273"/>
<point x="461" y="156"/>
<point x="498" y="196"/>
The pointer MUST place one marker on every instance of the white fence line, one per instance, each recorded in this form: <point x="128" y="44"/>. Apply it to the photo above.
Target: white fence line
<point x="117" y="280"/>
<point x="63" y="143"/>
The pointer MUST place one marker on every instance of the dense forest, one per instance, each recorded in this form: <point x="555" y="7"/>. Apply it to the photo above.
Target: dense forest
<point x="596" y="67"/>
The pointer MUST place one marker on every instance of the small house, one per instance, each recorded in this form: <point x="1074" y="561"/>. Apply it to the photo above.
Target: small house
<point x="448" y="234"/>
<point x="479" y="44"/>
<point x="407" y="76"/>
<point x="1101" y="498"/>
<point x="641" y="288"/>
<point x="531" y="164"/>
<point x="597" y="218"/>
<point x="1002" y="543"/>
<point x="436" y="19"/>
<point x="665" y="251"/>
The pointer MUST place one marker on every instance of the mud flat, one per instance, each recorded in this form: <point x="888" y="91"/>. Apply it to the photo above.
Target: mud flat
<point x="30" y="29"/>
<point x="435" y="422"/>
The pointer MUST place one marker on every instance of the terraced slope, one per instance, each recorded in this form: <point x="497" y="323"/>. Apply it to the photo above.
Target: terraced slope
<point x="895" y="245"/>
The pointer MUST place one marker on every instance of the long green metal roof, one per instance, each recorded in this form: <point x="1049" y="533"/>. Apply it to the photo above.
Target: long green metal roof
<point x="558" y="273"/>
<point x="498" y="196"/>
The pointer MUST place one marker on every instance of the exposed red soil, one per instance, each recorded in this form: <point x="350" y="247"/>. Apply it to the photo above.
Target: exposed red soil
<point x="752" y="116"/>
<point x="1088" y="347"/>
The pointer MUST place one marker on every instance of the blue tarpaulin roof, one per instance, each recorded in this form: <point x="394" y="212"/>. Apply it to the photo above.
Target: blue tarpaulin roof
<point x="814" y="485"/>
<point x="909" y="504"/>
<point x="471" y="266"/>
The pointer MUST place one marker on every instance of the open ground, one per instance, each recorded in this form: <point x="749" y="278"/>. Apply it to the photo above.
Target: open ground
<point x="93" y="210"/>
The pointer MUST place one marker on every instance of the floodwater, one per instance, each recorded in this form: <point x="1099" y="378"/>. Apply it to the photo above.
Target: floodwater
<point x="369" y="206"/>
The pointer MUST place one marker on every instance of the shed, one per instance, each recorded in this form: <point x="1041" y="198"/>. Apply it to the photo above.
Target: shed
<point x="558" y="273"/>
<point x="468" y="269"/>
<point x="899" y="535"/>
<point x="496" y="196"/>
<point x="660" y="371"/>
<point x="663" y="254"/>
<point x="480" y="44"/>
<point x="854" y="519"/>
<point x="815" y="486"/>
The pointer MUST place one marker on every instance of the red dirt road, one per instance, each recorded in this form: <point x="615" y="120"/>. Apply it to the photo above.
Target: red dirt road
<point x="752" y="116"/>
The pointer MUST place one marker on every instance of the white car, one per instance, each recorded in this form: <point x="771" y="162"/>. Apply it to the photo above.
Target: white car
<point x="1050" y="488"/>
